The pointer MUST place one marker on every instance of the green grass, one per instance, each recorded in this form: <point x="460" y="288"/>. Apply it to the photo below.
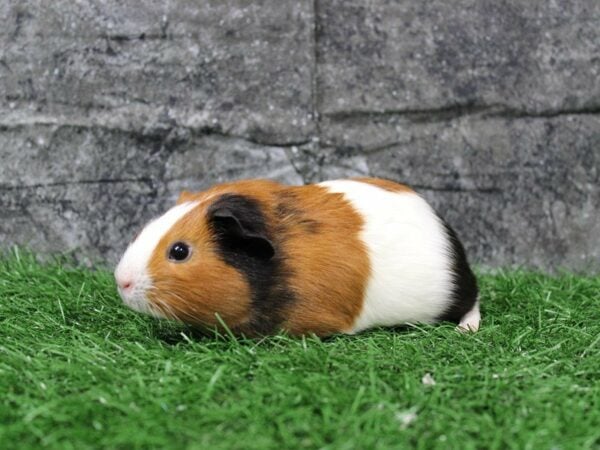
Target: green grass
<point x="79" y="370"/>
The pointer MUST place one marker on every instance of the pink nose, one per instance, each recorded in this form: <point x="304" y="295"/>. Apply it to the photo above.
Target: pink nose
<point x="125" y="283"/>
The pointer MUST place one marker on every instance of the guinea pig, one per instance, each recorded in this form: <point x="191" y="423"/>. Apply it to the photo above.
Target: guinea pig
<point x="334" y="257"/>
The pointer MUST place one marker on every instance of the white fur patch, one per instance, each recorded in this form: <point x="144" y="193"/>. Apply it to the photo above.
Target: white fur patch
<point x="470" y="321"/>
<point x="134" y="263"/>
<point x="410" y="278"/>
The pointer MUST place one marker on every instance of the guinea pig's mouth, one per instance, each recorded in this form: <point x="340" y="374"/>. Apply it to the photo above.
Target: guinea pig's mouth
<point x="138" y="301"/>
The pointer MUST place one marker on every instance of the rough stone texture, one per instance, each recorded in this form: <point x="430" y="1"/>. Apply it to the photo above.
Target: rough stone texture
<point x="491" y="109"/>
<point x="533" y="56"/>
<point x="238" y="67"/>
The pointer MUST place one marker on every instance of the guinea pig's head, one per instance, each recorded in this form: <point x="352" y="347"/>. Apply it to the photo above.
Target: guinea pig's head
<point x="194" y="262"/>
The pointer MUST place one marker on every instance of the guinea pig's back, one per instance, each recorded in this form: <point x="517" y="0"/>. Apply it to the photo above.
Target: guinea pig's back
<point x="412" y="256"/>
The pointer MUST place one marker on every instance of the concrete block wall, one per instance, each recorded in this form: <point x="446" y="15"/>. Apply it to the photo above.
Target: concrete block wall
<point x="490" y="109"/>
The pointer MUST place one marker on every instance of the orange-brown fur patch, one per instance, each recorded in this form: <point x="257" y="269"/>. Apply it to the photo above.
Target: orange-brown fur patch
<point x="195" y="290"/>
<point x="329" y="262"/>
<point x="316" y="232"/>
<point x="388" y="185"/>
<point x="185" y="196"/>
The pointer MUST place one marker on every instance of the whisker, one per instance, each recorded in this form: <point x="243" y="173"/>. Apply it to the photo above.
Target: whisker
<point x="173" y="309"/>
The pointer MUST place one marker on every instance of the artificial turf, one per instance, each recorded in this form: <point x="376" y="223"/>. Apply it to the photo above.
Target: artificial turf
<point x="79" y="370"/>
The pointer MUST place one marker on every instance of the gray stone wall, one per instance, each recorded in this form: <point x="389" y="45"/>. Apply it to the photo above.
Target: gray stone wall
<point x="491" y="109"/>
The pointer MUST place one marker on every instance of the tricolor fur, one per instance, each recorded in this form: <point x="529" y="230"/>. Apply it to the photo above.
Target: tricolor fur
<point x="339" y="256"/>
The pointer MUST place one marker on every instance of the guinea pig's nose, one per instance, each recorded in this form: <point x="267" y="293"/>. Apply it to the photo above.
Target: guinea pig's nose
<point x="124" y="283"/>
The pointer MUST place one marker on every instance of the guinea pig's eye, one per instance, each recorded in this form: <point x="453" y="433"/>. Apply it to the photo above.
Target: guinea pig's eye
<point x="179" y="252"/>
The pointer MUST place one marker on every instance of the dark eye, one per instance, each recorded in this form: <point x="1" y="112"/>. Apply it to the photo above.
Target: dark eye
<point x="179" y="251"/>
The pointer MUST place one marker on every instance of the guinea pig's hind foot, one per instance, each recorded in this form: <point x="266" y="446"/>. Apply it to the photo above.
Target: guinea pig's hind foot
<point x="470" y="321"/>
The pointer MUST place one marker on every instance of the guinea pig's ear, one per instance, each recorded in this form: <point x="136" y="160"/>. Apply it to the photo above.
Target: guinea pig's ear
<point x="240" y="227"/>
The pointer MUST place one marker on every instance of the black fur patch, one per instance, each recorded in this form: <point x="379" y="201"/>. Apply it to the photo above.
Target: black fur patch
<point x="245" y="242"/>
<point x="464" y="293"/>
